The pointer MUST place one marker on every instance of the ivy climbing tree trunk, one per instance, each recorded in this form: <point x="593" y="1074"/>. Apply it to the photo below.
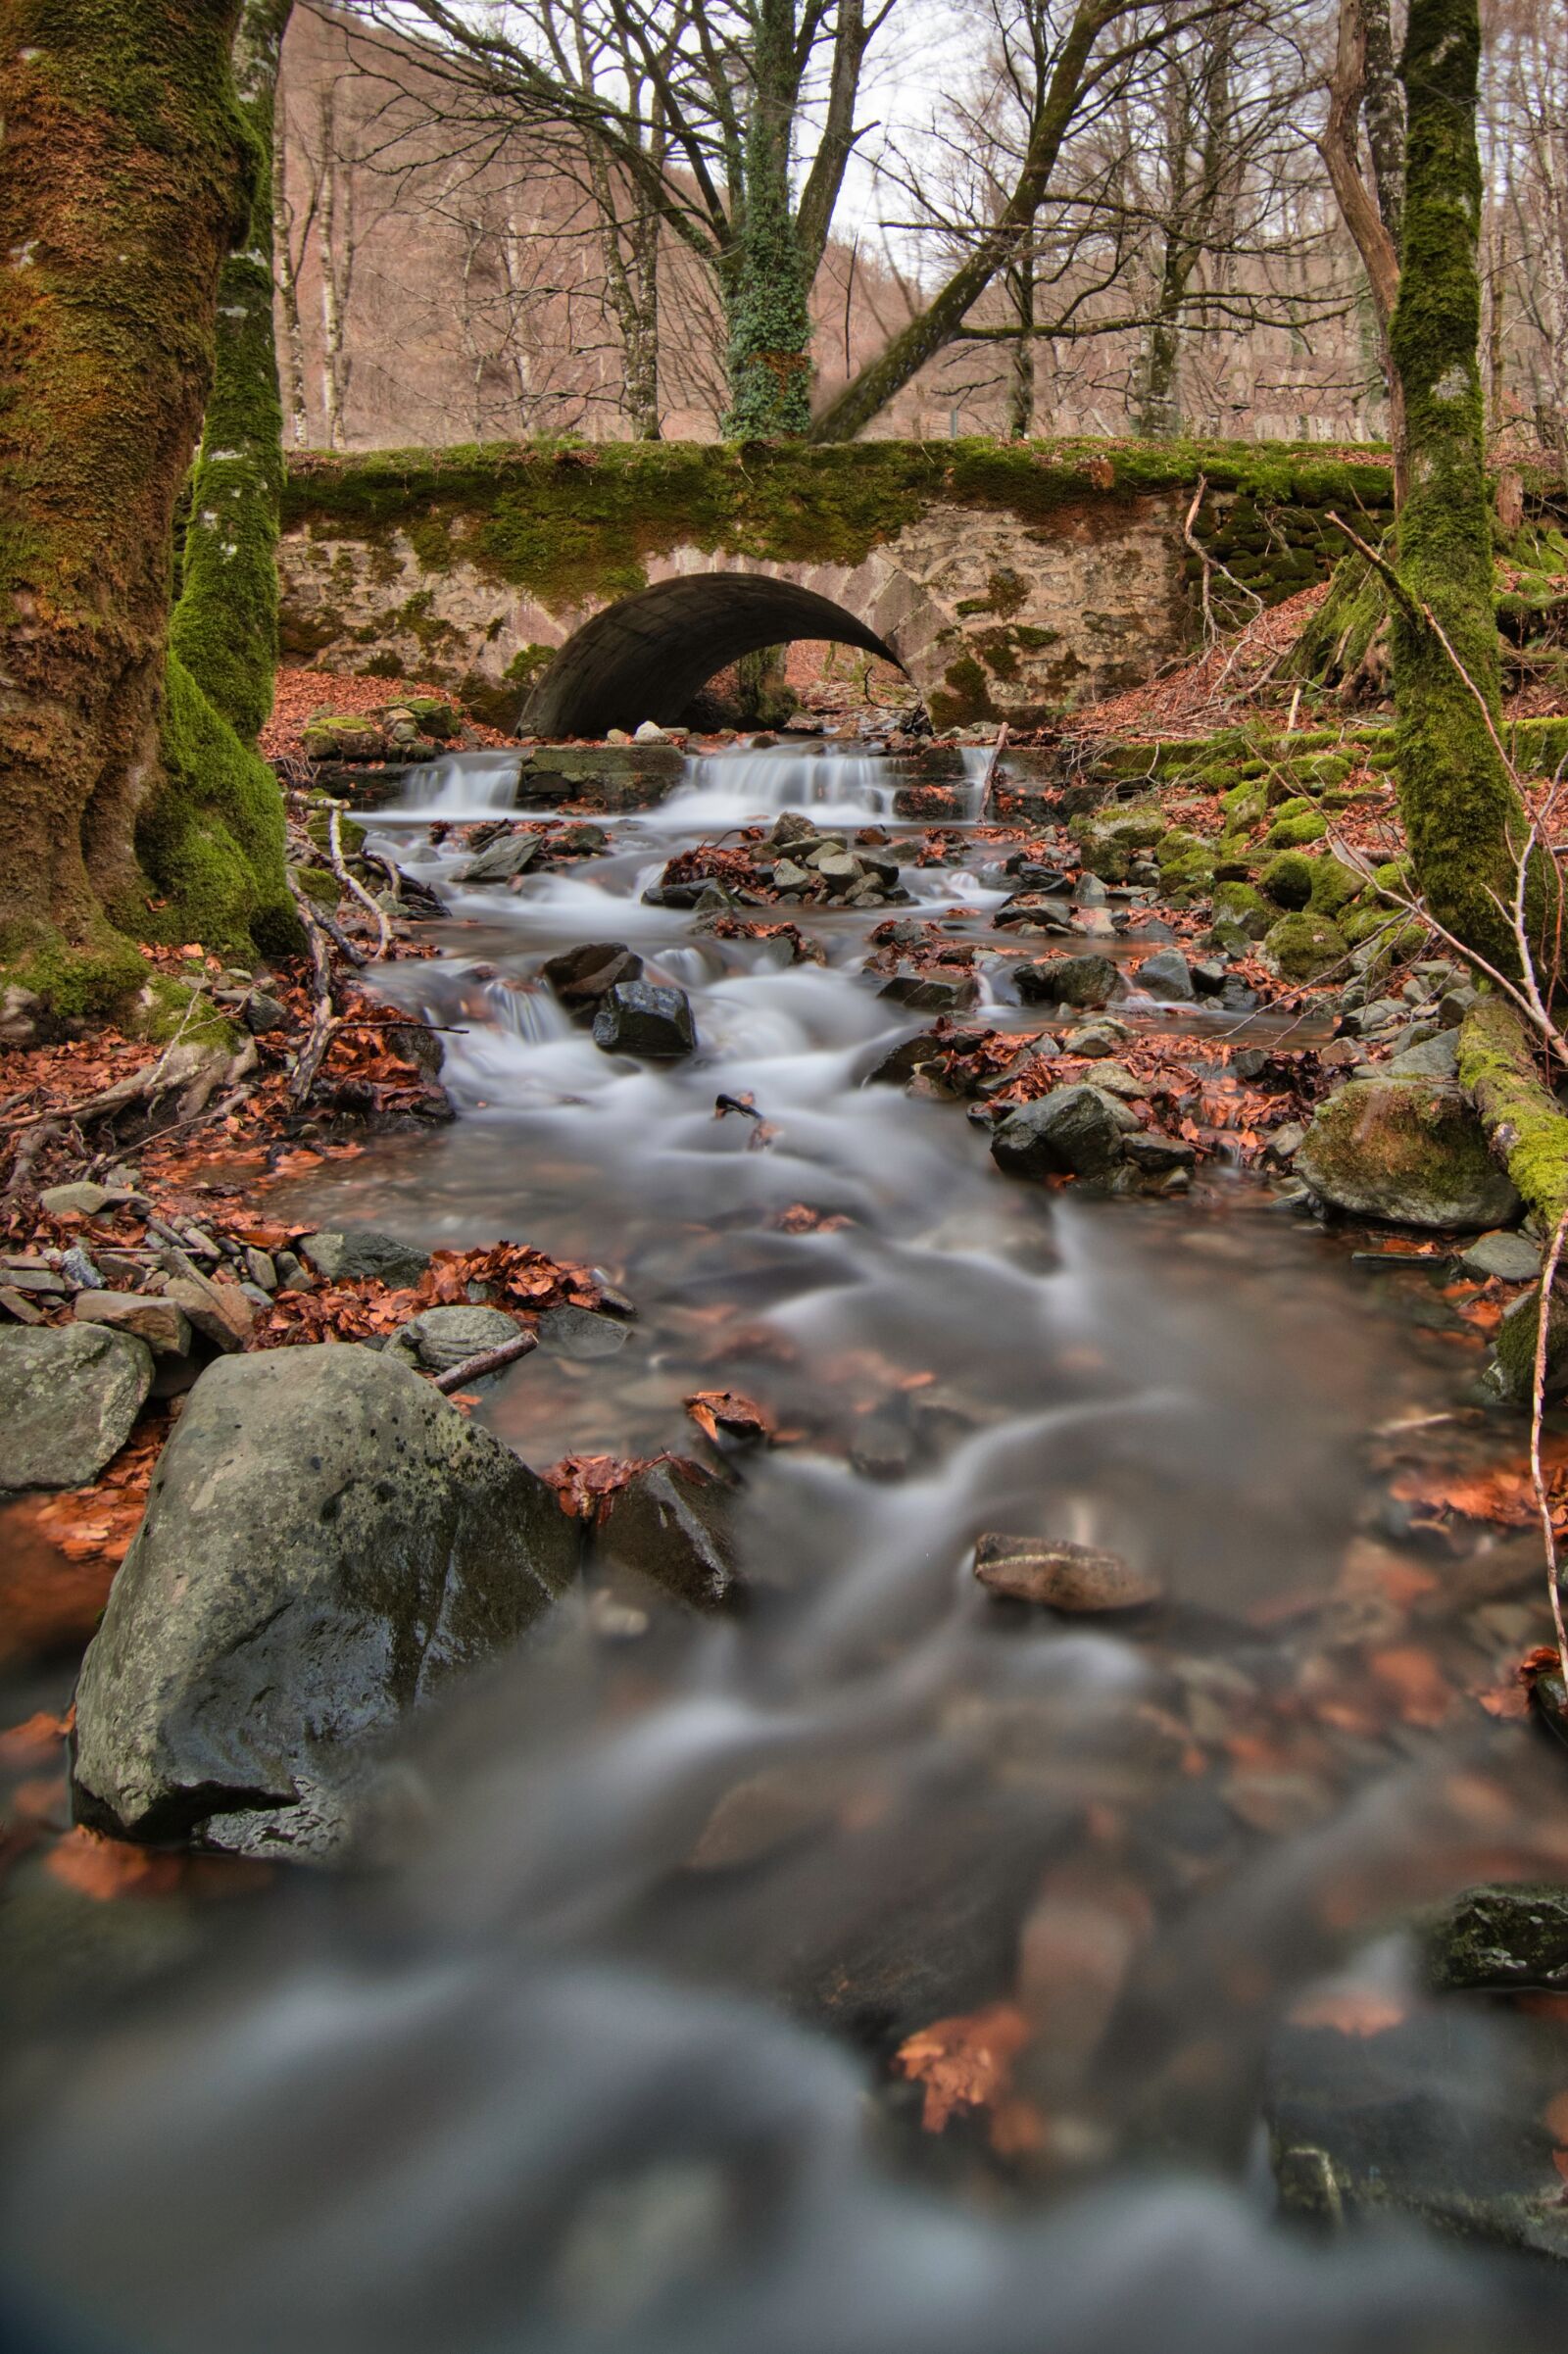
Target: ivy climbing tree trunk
<point x="122" y="189"/>
<point x="1461" y="813"/>
<point x="766" y="279"/>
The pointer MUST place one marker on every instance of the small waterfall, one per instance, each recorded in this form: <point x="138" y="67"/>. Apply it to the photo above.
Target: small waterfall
<point x="730" y="788"/>
<point x="464" y="785"/>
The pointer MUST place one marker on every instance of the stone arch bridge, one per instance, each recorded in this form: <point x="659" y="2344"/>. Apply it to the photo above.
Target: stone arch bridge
<point x="575" y="589"/>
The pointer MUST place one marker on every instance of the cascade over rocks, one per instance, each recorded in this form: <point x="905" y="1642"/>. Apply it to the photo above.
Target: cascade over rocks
<point x="326" y="1541"/>
<point x="1410" y="1151"/>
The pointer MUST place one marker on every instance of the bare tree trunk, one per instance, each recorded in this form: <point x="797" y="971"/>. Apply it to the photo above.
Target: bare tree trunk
<point x="337" y="268"/>
<point x="1361" y="206"/>
<point x="935" y="325"/>
<point x="289" y="293"/>
<point x="1021" y="375"/>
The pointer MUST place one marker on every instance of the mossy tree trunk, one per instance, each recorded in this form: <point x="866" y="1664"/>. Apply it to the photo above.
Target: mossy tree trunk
<point x="225" y="627"/>
<point x="1461" y="813"/>
<point x="122" y="190"/>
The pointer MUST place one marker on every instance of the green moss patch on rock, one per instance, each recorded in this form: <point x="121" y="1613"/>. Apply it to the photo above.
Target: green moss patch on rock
<point x="1302" y="946"/>
<point x="1410" y="1151"/>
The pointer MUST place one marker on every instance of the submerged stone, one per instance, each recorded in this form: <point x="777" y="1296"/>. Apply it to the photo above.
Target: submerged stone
<point x="581" y="976"/>
<point x="1063" y="1575"/>
<point x="1409" y="1151"/>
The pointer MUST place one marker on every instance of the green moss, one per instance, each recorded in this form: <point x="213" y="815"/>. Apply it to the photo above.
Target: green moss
<point x="96" y="980"/>
<point x="1305" y="944"/>
<point x="211" y="837"/>
<point x="1241" y="904"/>
<point x="1290" y="833"/>
<point x="1334" y="886"/>
<point x="965" y="696"/>
<point x="320" y="882"/>
<point x="1288" y="879"/>
<point x="574" y="526"/>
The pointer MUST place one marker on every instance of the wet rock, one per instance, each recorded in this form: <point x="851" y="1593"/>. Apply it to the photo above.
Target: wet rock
<point x="1502" y="1938"/>
<point x="343" y="1253"/>
<point x="68" y="1396"/>
<point x="1409" y="1151"/>
<point x="1067" y="980"/>
<point x="79" y="1270"/>
<point x="1158" y="1156"/>
<point x="1208" y="976"/>
<point x="441" y="1338"/>
<point x="403" y="1545"/>
<point x="1512" y="1257"/>
<point x="931" y="992"/>
<point x="792" y="829"/>
<point x="499" y="861"/>
<point x="788" y="876"/>
<point x="160" y="1323"/>
<point x="1063" y="1575"/>
<point x="1074" y="1132"/>
<point x="671" y="1522"/>
<point x="1512" y="1374"/>
<point x="1166" y="976"/>
<point x="839" y="871"/>
<point x="898" y="1067"/>
<point x="642" y="1018"/>
<point x="580" y="977"/>
<point x="1434" y="1058"/>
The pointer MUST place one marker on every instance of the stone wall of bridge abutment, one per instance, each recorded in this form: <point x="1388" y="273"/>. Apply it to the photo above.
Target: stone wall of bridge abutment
<point x="1010" y="581"/>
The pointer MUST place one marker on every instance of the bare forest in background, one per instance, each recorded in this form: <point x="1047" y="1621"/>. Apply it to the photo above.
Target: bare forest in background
<point x="445" y="278"/>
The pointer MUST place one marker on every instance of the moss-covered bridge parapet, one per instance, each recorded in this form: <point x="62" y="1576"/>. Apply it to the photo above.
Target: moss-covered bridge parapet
<point x="1012" y="581"/>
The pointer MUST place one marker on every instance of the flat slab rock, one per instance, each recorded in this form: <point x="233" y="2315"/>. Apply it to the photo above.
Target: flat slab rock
<point x="1082" y="1579"/>
<point x="69" y="1394"/>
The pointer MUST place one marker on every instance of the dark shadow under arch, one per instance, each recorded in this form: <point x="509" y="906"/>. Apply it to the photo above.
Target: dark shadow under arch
<point x="645" y="657"/>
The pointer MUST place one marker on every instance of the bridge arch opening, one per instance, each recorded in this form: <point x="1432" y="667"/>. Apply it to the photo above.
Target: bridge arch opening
<point x="647" y="656"/>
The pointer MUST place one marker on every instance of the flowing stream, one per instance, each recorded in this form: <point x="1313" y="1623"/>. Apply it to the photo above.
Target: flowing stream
<point x="610" y="2065"/>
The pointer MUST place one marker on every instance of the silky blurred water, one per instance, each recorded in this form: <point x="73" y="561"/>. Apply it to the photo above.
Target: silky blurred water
<point x="605" y="2062"/>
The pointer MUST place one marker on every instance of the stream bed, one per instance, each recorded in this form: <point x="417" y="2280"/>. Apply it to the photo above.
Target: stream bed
<point x="629" y="2055"/>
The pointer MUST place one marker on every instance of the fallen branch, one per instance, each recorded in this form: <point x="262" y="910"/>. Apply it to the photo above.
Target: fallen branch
<point x="334" y="844"/>
<point x="490" y="1361"/>
<point x="1523" y="1123"/>
<point x="321" y="1017"/>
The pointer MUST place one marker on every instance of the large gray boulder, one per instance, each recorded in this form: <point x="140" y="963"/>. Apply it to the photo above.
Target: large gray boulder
<point x="1409" y="1151"/>
<point x="326" y="1541"/>
<point x="1075" y="1132"/>
<point x="643" y="1017"/>
<point x="69" y="1394"/>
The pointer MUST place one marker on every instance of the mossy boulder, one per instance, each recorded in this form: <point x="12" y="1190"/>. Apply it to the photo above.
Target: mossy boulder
<point x="1288" y="879"/>
<point x="1241" y="905"/>
<point x="336" y="736"/>
<point x="1302" y="945"/>
<point x="1296" y="822"/>
<point x="1407" y="1150"/>
<point x="1109" y="839"/>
